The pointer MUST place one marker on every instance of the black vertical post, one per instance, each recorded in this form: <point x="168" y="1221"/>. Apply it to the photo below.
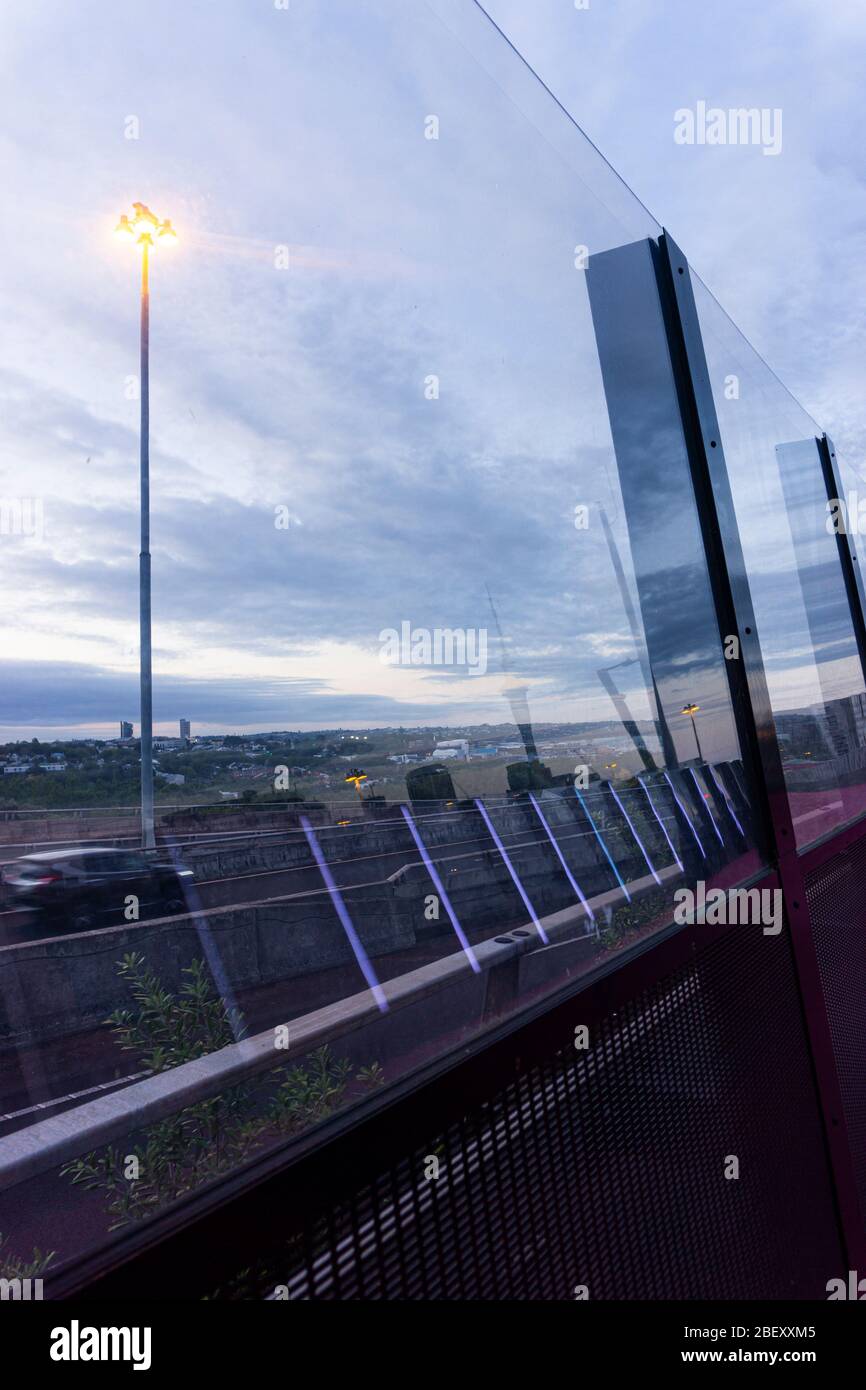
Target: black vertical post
<point x="848" y="544"/>
<point x="750" y="695"/>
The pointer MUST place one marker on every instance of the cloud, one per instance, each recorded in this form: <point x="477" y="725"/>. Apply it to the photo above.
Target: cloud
<point x="63" y="697"/>
<point x="410" y="260"/>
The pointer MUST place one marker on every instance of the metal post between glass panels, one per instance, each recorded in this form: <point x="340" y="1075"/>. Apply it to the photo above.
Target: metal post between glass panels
<point x="724" y="554"/>
<point x="749" y="690"/>
<point x="851" y="570"/>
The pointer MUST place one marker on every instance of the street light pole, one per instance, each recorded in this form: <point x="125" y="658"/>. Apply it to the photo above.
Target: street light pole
<point x="691" y="711"/>
<point x="148" y="836"/>
<point x="697" y="740"/>
<point x="144" y="229"/>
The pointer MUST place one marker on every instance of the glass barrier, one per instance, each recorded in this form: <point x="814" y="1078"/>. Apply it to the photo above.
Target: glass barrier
<point x="788" y="529"/>
<point x="422" y="524"/>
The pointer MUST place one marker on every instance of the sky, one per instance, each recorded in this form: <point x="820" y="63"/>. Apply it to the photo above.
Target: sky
<point x="376" y="396"/>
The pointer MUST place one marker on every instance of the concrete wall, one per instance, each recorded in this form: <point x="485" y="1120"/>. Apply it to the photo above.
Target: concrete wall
<point x="64" y="985"/>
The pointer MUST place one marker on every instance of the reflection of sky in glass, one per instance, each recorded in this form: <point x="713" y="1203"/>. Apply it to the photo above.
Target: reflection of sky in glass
<point x="814" y="674"/>
<point x="804" y="624"/>
<point x="304" y="388"/>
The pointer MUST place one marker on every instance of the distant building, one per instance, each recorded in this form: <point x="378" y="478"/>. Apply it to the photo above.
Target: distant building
<point x="844" y="720"/>
<point x="176" y="778"/>
<point x="184" y="728"/>
<point x="452" y="748"/>
<point x="125" y="729"/>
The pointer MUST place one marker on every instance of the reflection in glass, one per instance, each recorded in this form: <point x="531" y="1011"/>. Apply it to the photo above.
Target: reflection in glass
<point x="814" y="673"/>
<point x="473" y="643"/>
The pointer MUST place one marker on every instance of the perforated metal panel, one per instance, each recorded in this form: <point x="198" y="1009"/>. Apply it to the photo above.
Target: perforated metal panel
<point x="837" y="906"/>
<point x="606" y="1167"/>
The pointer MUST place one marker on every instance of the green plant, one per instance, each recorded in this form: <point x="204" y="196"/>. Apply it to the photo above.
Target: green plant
<point x="371" y="1076"/>
<point x="308" y="1095"/>
<point x="181" y="1152"/>
<point x="178" y="1154"/>
<point x="166" y="1029"/>
<point x="13" y="1268"/>
<point x="609" y="937"/>
<point x="629" y="918"/>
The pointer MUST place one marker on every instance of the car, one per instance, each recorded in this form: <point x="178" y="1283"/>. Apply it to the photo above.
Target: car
<point x="79" y="889"/>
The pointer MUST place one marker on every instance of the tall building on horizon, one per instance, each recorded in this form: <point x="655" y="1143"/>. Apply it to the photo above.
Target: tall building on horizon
<point x="125" y="729"/>
<point x="184" y="728"/>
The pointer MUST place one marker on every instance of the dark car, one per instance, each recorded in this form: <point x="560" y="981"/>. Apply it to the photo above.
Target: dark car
<point x="77" y="889"/>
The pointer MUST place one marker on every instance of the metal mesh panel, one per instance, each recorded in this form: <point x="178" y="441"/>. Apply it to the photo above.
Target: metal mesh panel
<point x="837" y="907"/>
<point x="605" y="1167"/>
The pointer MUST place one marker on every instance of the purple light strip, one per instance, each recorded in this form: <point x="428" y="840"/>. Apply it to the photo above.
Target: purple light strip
<point x="677" y="859"/>
<point x="685" y="813"/>
<point x="440" y="889"/>
<point x="573" y="881"/>
<point x="509" y="866"/>
<point x="727" y="800"/>
<point x="192" y="898"/>
<point x="704" y="799"/>
<point x="634" y="832"/>
<point x="605" y="851"/>
<point x="354" y="940"/>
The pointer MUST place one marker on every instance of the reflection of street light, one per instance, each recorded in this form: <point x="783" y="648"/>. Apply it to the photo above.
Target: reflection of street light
<point x="691" y="711"/>
<point x="144" y="229"/>
<point x="356" y="776"/>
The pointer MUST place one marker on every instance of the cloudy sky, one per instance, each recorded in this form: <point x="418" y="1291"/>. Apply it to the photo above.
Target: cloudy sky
<point x="376" y="396"/>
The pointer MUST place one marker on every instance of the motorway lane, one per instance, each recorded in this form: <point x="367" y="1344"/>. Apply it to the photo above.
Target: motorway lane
<point x="31" y="1075"/>
<point x="301" y="881"/>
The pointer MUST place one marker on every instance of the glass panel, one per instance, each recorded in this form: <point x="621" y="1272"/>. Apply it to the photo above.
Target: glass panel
<point x="420" y="505"/>
<point x="814" y="672"/>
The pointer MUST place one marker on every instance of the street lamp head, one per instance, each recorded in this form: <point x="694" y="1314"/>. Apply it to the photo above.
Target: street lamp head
<point x="144" y="229"/>
<point x="690" y="709"/>
<point x="144" y="216"/>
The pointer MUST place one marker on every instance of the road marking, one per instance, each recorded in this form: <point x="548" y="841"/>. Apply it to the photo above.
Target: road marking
<point x="75" y="1095"/>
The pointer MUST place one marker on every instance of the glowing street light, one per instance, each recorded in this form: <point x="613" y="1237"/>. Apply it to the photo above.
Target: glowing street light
<point x="691" y="711"/>
<point x="143" y="229"/>
<point x="357" y="777"/>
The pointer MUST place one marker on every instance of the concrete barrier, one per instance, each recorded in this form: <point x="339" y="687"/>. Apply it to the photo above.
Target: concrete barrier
<point x="65" y="985"/>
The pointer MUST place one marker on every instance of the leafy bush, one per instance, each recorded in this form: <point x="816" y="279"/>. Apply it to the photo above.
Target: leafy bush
<point x="13" y="1268"/>
<point x="180" y="1153"/>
